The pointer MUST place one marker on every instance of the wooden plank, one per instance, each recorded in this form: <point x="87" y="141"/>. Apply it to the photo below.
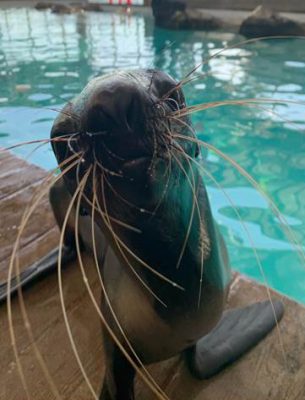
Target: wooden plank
<point x="264" y="373"/>
<point x="19" y="182"/>
<point x="43" y="306"/>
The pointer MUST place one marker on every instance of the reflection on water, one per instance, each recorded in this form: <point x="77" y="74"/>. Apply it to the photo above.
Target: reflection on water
<point x="55" y="56"/>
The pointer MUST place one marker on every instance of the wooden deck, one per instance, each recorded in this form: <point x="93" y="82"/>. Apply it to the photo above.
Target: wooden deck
<point x="262" y="374"/>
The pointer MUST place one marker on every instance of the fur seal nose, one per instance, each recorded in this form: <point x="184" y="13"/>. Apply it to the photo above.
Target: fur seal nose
<point x="115" y="109"/>
<point x="114" y="119"/>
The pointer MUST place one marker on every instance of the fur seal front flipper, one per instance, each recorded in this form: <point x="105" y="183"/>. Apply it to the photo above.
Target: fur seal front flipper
<point x="238" y="331"/>
<point x="37" y="271"/>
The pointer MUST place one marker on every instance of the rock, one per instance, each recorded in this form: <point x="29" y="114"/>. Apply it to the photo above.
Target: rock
<point x="62" y="9"/>
<point x="59" y="8"/>
<point x="97" y="7"/>
<point x="174" y="14"/>
<point x="266" y="22"/>
<point x="163" y="10"/>
<point x="42" y="5"/>
<point x="194" y="19"/>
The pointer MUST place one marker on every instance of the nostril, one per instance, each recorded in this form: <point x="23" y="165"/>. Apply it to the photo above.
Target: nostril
<point x="131" y="115"/>
<point x="135" y="115"/>
<point x="97" y="123"/>
<point x="92" y="120"/>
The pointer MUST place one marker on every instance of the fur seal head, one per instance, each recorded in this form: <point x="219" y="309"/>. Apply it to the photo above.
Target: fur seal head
<point x="124" y="122"/>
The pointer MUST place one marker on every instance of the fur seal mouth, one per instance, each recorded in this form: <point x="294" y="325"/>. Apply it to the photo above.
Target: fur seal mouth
<point x="136" y="162"/>
<point x="136" y="168"/>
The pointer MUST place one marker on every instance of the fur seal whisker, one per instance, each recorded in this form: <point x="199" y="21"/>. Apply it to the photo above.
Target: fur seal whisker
<point x="108" y="171"/>
<point x="204" y="171"/>
<point x="30" y="154"/>
<point x="278" y="115"/>
<point x="27" y="213"/>
<point x="182" y="152"/>
<point x="119" y="243"/>
<point x="192" y="79"/>
<point x="194" y="197"/>
<point x="254" y="104"/>
<point x="168" y="175"/>
<point x="104" y="292"/>
<point x="113" y="173"/>
<point x="188" y="78"/>
<point x="113" y="219"/>
<point x="29" y="142"/>
<point x="123" y="199"/>
<point x="240" y="102"/>
<point x="294" y="125"/>
<point x="77" y="193"/>
<point x="155" y="149"/>
<point x="64" y="112"/>
<point x="144" y="264"/>
<point x="239" y="44"/>
<point x="72" y="138"/>
<point x="255" y="252"/>
<point x="284" y="224"/>
<point x="104" y="169"/>
<point x="106" y="219"/>
<point x="112" y="153"/>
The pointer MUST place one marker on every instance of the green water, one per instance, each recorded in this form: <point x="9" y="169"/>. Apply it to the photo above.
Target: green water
<point x="57" y="55"/>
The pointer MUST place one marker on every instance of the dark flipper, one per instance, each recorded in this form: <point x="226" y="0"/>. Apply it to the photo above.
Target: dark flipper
<point x="238" y="331"/>
<point x="38" y="270"/>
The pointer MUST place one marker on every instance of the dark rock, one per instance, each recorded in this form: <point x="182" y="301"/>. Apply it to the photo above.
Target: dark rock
<point x="59" y="8"/>
<point x="62" y="9"/>
<point x="266" y="22"/>
<point x="42" y="5"/>
<point x="97" y="7"/>
<point x="194" y="19"/>
<point x="163" y="10"/>
<point x="173" y="14"/>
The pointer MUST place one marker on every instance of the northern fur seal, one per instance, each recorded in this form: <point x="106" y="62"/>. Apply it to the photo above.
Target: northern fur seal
<point x="163" y="261"/>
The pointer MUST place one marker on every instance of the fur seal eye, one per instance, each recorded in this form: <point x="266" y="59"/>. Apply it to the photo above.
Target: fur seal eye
<point x="83" y="212"/>
<point x="100" y="133"/>
<point x="173" y="104"/>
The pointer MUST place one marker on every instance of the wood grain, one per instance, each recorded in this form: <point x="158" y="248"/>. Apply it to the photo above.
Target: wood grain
<point x="264" y="373"/>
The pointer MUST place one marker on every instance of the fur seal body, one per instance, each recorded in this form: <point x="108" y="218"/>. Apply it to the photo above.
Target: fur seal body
<point x="125" y="106"/>
<point x="124" y="127"/>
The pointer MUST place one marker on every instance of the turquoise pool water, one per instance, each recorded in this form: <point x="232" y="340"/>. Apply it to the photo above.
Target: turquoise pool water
<point x="53" y="57"/>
